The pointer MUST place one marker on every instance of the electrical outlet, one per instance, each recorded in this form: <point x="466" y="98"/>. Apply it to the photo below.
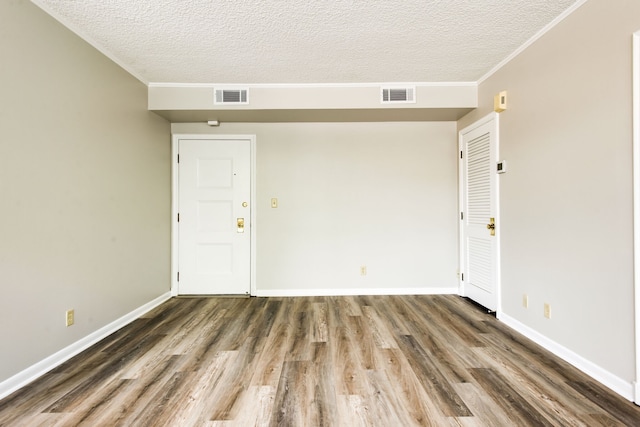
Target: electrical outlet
<point x="525" y="301"/>
<point x="69" y="317"/>
<point x="547" y="310"/>
<point x="363" y="270"/>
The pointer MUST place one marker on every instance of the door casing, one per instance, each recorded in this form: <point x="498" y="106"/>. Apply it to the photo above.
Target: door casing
<point x="492" y="117"/>
<point x="175" y="205"/>
<point x="636" y="206"/>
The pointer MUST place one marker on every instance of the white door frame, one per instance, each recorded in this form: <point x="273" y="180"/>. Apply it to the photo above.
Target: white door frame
<point x="174" y="203"/>
<point x="461" y="194"/>
<point x="636" y="204"/>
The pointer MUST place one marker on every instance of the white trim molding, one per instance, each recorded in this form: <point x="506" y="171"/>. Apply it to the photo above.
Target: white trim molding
<point x="606" y="378"/>
<point x="35" y="371"/>
<point x="533" y="39"/>
<point x="354" y="291"/>
<point x="68" y="23"/>
<point x="636" y="204"/>
<point x="311" y="85"/>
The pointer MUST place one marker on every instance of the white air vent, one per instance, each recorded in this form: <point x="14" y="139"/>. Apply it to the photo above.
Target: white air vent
<point x="394" y="95"/>
<point x="232" y="96"/>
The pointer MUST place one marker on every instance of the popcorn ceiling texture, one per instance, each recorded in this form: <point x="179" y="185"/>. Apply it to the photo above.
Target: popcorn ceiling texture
<point x="296" y="41"/>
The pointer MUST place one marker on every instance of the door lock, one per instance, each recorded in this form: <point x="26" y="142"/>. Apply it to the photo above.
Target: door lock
<point x="492" y="226"/>
<point x="240" y="223"/>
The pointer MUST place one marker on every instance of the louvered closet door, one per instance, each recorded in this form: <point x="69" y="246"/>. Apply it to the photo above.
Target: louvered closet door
<point x="480" y="247"/>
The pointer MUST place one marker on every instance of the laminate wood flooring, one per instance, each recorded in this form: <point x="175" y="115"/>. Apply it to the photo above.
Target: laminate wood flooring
<point x="318" y="361"/>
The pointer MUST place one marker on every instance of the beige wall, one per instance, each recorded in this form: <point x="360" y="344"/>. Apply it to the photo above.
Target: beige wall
<point x="84" y="189"/>
<point x="351" y="194"/>
<point x="566" y="200"/>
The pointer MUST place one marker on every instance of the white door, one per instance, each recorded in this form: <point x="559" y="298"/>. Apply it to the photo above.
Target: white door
<point x="479" y="215"/>
<point x="214" y="220"/>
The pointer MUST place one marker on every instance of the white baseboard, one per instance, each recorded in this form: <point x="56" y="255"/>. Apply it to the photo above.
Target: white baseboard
<point x="606" y="378"/>
<point x="33" y="372"/>
<point x="354" y="291"/>
<point x="636" y="386"/>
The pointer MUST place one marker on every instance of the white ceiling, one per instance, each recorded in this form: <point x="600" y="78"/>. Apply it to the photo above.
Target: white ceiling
<point x="307" y="41"/>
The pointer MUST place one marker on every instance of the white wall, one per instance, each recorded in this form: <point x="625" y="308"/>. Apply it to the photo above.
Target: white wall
<point x="566" y="200"/>
<point x="352" y="194"/>
<point x="84" y="190"/>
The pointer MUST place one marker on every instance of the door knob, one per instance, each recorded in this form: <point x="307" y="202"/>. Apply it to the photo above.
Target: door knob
<point x="492" y="226"/>
<point x="240" y="224"/>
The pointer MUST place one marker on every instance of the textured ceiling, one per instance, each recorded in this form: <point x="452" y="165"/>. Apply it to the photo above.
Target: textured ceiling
<point x="315" y="41"/>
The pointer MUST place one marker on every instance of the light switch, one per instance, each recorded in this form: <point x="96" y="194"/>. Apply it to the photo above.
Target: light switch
<point x="501" y="166"/>
<point x="274" y="203"/>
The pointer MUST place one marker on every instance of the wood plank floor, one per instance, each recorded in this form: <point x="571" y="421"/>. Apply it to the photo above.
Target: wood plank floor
<point x="318" y="361"/>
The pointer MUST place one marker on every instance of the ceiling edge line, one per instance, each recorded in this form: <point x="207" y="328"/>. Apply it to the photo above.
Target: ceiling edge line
<point x="532" y="40"/>
<point x="84" y="37"/>
<point x="313" y="85"/>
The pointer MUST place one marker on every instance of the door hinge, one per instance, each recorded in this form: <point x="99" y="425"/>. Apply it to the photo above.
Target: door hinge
<point x="460" y="154"/>
<point x="461" y="215"/>
<point x="178" y="158"/>
<point x="178" y="217"/>
<point x="462" y="276"/>
<point x="178" y="276"/>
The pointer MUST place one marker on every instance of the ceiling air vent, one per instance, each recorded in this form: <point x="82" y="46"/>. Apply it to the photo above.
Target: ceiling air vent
<point x="394" y="95"/>
<point x="232" y="96"/>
